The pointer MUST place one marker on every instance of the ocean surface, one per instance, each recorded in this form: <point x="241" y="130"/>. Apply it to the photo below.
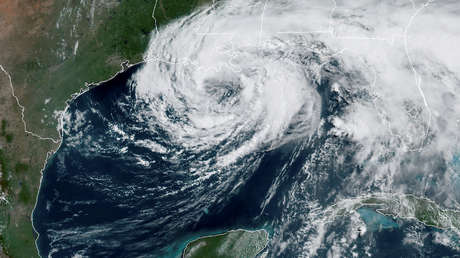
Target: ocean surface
<point x="243" y="117"/>
<point x="99" y="198"/>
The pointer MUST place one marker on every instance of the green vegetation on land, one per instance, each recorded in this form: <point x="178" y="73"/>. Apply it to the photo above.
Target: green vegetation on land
<point x="4" y="169"/>
<point x="4" y="123"/>
<point x="59" y="69"/>
<point x="232" y="244"/>
<point x="53" y="70"/>
<point x="405" y="206"/>
<point x="18" y="189"/>
<point x="421" y="209"/>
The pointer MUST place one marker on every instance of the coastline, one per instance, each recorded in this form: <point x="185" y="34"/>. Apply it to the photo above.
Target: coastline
<point x="227" y="232"/>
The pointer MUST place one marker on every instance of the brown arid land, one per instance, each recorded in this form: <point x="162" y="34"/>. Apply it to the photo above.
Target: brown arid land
<point x="50" y="50"/>
<point x="22" y="154"/>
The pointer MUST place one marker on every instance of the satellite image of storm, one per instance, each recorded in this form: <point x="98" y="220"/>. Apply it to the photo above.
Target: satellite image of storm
<point x="229" y="128"/>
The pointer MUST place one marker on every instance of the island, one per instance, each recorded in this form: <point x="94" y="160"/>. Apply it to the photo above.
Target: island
<point x="404" y="206"/>
<point x="235" y="243"/>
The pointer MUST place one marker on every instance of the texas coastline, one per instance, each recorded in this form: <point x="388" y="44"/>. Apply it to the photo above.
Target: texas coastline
<point x="127" y="69"/>
<point x="213" y="225"/>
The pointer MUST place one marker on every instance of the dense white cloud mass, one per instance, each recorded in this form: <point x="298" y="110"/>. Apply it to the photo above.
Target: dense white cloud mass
<point x="254" y="68"/>
<point x="301" y="117"/>
<point x="403" y="51"/>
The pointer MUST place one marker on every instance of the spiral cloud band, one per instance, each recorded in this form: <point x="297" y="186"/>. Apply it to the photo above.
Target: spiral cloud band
<point x="286" y="115"/>
<point x="254" y="66"/>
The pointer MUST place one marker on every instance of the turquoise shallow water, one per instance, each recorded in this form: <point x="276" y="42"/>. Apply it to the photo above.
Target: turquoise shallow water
<point x="376" y="221"/>
<point x="455" y="164"/>
<point x="175" y="249"/>
<point x="104" y="194"/>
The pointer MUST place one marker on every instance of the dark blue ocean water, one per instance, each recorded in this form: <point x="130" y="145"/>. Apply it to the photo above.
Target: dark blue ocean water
<point x="97" y="199"/>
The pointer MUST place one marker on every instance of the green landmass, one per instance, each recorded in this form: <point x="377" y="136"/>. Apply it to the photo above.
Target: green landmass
<point x="52" y="53"/>
<point x="232" y="244"/>
<point x="418" y="208"/>
<point x="405" y="206"/>
<point x="120" y="32"/>
<point x="47" y="68"/>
